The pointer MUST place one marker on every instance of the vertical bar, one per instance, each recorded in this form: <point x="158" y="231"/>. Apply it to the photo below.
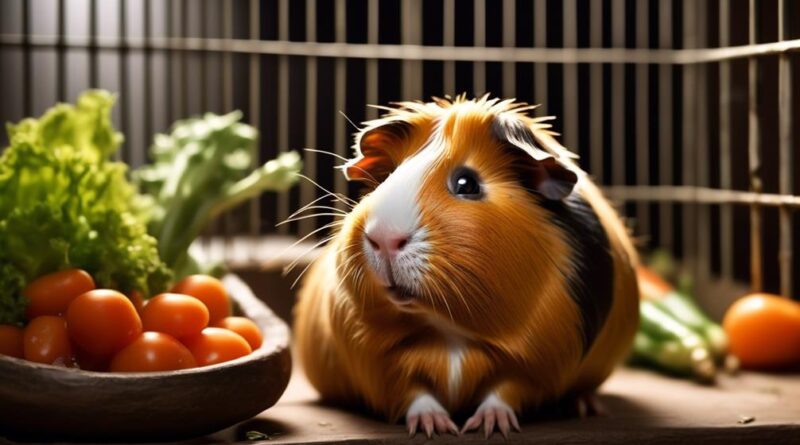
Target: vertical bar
<point x="410" y="25"/>
<point x="509" y="41"/>
<point x="449" y="38"/>
<point x="148" y="80"/>
<point x="227" y="57"/>
<point x="665" y="119"/>
<point x="61" y="54"/>
<point x="373" y="17"/>
<point x="596" y="88"/>
<point x="203" y="61"/>
<point x="255" y="108"/>
<point x="125" y="149"/>
<point x="283" y="106"/>
<point x="702" y="224"/>
<point x="754" y="156"/>
<point x="786" y="160"/>
<point x="93" y="74"/>
<point x="540" y="41"/>
<point x="617" y="98"/>
<point x="171" y="92"/>
<point x="570" y="122"/>
<point x="479" y="41"/>
<point x="340" y="95"/>
<point x="725" y="181"/>
<point x="184" y="88"/>
<point x="688" y="147"/>
<point x="642" y="119"/>
<point x="27" y="76"/>
<point x="307" y="189"/>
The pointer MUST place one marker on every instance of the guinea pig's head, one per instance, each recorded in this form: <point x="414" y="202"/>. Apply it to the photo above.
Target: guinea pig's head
<point x="456" y="225"/>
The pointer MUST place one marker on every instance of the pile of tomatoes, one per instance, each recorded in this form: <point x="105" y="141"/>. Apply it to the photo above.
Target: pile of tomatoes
<point x="73" y="324"/>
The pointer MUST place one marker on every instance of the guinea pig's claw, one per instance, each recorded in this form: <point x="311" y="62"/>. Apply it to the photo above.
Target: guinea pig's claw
<point x="431" y="422"/>
<point x="492" y="414"/>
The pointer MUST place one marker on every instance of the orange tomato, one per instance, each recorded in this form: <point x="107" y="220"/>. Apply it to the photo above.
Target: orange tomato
<point x="217" y="345"/>
<point x="244" y="327"/>
<point x="46" y="340"/>
<point x="153" y="351"/>
<point x="210" y="291"/>
<point x="102" y="322"/>
<point x="764" y="331"/>
<point x="51" y="294"/>
<point x="11" y="341"/>
<point x="175" y="314"/>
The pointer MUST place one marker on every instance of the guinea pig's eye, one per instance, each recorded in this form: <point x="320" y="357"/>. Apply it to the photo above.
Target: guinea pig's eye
<point x="466" y="184"/>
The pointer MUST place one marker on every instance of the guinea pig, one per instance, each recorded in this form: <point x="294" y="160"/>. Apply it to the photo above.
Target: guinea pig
<point x="482" y="273"/>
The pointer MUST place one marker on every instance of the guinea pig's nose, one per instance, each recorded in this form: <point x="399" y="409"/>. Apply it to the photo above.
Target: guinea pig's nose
<point x="386" y="242"/>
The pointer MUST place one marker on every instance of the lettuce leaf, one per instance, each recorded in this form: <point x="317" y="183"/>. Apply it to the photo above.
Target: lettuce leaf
<point x="64" y="203"/>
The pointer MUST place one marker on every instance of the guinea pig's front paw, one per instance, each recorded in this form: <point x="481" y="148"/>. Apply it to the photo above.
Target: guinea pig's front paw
<point x="493" y="410"/>
<point x="426" y="412"/>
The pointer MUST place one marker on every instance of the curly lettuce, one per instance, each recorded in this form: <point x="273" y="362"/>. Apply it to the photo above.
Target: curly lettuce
<point x="65" y="203"/>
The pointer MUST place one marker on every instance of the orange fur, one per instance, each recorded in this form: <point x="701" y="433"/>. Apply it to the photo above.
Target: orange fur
<point x="497" y="278"/>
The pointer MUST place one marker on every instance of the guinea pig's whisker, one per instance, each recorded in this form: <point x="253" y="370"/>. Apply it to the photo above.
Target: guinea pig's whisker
<point x="301" y="209"/>
<point x="310" y="263"/>
<point x="293" y="264"/>
<point x="313" y="215"/>
<point x="318" y="207"/>
<point x="312" y="233"/>
<point x="325" y="152"/>
<point x="339" y="197"/>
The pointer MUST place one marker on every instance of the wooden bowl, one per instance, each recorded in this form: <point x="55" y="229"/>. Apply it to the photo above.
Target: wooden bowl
<point x="48" y="401"/>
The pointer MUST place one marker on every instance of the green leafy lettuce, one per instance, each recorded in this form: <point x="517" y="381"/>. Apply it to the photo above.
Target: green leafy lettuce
<point x="65" y="203"/>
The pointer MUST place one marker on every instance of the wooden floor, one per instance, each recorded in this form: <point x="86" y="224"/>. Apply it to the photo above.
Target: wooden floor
<point x="643" y="408"/>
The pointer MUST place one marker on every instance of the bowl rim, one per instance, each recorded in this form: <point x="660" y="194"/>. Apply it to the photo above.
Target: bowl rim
<point x="274" y="331"/>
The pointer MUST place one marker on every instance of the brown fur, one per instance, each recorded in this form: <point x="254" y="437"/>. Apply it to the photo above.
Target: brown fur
<point x="497" y="277"/>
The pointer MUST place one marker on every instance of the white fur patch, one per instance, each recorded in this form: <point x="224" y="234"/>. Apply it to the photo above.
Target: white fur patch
<point x="455" y="361"/>
<point x="424" y="403"/>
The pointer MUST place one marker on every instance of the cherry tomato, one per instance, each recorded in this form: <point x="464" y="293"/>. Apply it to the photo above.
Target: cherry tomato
<point x="244" y="327"/>
<point x="102" y="322"/>
<point x="216" y="345"/>
<point x="51" y="294"/>
<point x="11" y="341"/>
<point x="46" y="340"/>
<point x="175" y="314"/>
<point x="153" y="351"/>
<point x="210" y="291"/>
<point x="764" y="331"/>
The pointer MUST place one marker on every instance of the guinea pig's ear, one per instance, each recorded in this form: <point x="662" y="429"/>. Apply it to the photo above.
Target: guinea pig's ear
<point x="377" y="152"/>
<point x="542" y="170"/>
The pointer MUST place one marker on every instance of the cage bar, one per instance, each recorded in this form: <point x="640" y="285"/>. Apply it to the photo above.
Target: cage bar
<point x="642" y="118"/>
<point x="373" y="14"/>
<point x="61" y="53"/>
<point x="754" y="155"/>
<point x="665" y="134"/>
<point x="786" y="158"/>
<point x="617" y="96"/>
<point x="449" y="41"/>
<point x="307" y="189"/>
<point x="283" y="107"/>
<point x="340" y="95"/>
<point x="570" y="120"/>
<point x="725" y="180"/>
<point x="254" y="89"/>
<point x="540" y="41"/>
<point x="596" y="91"/>
<point x="479" y="40"/>
<point x="124" y="88"/>
<point x="509" y="41"/>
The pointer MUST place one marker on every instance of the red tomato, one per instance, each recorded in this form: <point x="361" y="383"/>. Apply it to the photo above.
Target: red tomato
<point x="46" y="340"/>
<point x="175" y="314"/>
<point x="11" y="341"/>
<point x="153" y="351"/>
<point x="216" y="345"/>
<point x="102" y="322"/>
<point x="210" y="291"/>
<point x="244" y="327"/>
<point x="51" y="294"/>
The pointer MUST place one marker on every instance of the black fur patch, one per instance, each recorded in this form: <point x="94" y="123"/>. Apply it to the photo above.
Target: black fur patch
<point x="592" y="283"/>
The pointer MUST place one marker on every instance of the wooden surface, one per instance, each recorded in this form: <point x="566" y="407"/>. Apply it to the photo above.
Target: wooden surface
<point x="643" y="408"/>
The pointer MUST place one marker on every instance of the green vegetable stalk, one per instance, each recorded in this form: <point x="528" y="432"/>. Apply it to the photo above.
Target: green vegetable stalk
<point x="201" y="169"/>
<point x="64" y="203"/>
